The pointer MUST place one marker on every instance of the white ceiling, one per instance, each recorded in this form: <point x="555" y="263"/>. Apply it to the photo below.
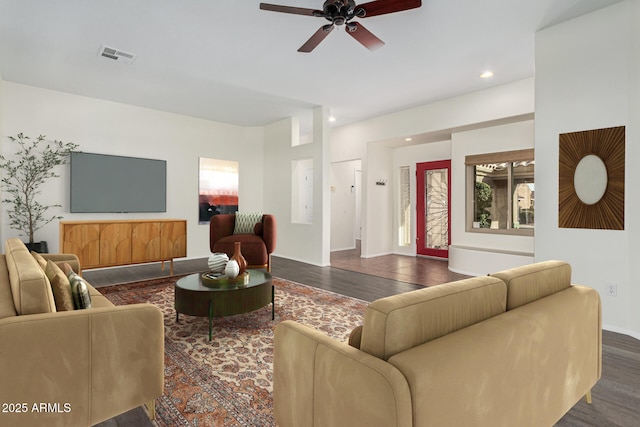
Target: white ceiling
<point x="231" y="62"/>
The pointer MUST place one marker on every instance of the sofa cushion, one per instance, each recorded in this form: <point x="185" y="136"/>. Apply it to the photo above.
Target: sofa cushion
<point x="97" y="299"/>
<point x="252" y="247"/>
<point x="30" y="287"/>
<point x="531" y="282"/>
<point x="246" y="221"/>
<point x="397" y="323"/>
<point x="60" y="286"/>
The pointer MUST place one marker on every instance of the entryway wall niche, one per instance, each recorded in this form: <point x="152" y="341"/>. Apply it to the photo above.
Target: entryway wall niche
<point x="302" y="191"/>
<point x="346" y="204"/>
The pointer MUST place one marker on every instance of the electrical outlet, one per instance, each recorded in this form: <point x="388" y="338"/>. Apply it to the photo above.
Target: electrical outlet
<point x="612" y="289"/>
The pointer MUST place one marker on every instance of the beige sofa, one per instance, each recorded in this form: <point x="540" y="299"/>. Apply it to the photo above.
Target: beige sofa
<point x="516" y="348"/>
<point x="71" y="368"/>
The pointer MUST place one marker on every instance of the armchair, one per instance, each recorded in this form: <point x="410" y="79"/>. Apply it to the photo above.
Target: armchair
<point x="257" y="247"/>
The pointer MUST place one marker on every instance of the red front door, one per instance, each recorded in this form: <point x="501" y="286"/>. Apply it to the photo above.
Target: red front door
<point x="434" y="208"/>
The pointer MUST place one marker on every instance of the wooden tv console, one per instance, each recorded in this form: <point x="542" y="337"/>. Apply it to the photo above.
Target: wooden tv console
<point x="111" y="243"/>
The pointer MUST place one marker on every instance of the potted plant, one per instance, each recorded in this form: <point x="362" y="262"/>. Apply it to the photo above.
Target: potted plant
<point x="33" y="163"/>
<point x="484" y="198"/>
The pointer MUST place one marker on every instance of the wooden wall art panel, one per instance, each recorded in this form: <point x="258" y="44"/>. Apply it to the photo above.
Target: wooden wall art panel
<point x="585" y="208"/>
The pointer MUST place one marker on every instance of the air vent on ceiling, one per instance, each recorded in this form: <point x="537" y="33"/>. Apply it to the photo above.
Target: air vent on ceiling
<point x="116" y="55"/>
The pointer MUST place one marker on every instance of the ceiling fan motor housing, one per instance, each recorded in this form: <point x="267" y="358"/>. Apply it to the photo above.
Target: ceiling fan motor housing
<point x="339" y="12"/>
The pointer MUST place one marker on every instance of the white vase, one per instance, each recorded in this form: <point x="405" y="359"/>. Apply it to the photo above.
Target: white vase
<point x="217" y="261"/>
<point x="232" y="269"/>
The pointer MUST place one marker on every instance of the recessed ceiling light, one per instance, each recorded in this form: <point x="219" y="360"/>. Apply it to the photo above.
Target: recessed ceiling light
<point x="408" y="139"/>
<point x="332" y="119"/>
<point x="486" y="74"/>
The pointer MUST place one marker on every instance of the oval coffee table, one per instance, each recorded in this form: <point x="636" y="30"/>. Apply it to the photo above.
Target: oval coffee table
<point x="196" y="296"/>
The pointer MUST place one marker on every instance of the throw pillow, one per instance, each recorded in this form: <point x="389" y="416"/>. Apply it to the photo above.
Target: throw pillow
<point x="80" y="291"/>
<point x="67" y="269"/>
<point x="60" y="286"/>
<point x="257" y="229"/>
<point x="245" y="221"/>
<point x="40" y="259"/>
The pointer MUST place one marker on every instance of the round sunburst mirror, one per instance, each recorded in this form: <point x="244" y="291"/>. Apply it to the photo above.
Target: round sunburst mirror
<point x="591" y="179"/>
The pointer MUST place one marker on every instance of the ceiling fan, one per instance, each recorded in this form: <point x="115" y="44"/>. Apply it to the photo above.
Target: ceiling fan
<point x="341" y="12"/>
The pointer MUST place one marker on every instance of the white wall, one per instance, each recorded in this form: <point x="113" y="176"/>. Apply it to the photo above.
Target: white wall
<point x="587" y="78"/>
<point x="358" y="140"/>
<point x="304" y="242"/>
<point x="107" y="127"/>
<point x="377" y="201"/>
<point x="633" y="173"/>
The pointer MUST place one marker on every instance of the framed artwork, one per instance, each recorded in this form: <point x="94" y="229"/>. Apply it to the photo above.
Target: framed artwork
<point x="218" y="188"/>
<point x="591" y="179"/>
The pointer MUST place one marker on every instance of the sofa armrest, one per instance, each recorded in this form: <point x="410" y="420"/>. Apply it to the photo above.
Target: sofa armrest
<point x="320" y="381"/>
<point x="59" y="259"/>
<point x="93" y="364"/>
<point x="220" y="226"/>
<point x="269" y="232"/>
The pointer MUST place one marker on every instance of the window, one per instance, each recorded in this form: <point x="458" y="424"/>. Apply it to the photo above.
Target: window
<point x="501" y="192"/>
<point x="405" y="206"/>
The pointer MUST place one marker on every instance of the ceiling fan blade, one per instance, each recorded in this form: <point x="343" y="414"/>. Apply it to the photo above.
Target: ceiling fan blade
<point x="289" y="9"/>
<point x="316" y="38"/>
<point x="364" y="36"/>
<point x="381" y="7"/>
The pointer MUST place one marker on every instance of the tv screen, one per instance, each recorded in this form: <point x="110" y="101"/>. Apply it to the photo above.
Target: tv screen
<point x="106" y="183"/>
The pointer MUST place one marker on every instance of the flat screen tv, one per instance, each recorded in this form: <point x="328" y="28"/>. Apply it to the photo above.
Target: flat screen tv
<point x="106" y="183"/>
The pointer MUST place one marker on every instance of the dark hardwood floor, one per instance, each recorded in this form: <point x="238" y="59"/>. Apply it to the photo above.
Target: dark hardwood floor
<point x="616" y="397"/>
<point x="416" y="270"/>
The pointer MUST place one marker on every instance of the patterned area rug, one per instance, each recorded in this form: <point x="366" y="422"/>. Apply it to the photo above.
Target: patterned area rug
<point x="228" y="381"/>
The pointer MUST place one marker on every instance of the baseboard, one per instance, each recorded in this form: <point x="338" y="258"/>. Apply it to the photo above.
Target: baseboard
<point x="623" y="331"/>
<point x="305" y="261"/>
<point x="350" y="248"/>
<point x="376" y="255"/>
<point x="466" y="273"/>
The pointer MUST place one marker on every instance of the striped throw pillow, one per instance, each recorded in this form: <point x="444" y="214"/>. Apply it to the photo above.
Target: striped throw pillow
<point x="80" y="292"/>
<point x="246" y="221"/>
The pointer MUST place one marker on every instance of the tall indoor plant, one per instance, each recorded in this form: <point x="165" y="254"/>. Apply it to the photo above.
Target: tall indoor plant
<point x="32" y="164"/>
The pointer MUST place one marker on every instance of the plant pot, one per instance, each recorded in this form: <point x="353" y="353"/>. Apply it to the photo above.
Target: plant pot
<point x="40" y="247"/>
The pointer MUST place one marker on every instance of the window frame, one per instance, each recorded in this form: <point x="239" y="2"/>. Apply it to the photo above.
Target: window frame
<point x="501" y="157"/>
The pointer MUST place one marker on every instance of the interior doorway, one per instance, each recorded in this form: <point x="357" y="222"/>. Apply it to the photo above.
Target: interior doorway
<point x="346" y="205"/>
<point x="433" y="204"/>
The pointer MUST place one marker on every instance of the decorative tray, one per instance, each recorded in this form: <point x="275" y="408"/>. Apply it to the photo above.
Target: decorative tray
<point x="218" y="279"/>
